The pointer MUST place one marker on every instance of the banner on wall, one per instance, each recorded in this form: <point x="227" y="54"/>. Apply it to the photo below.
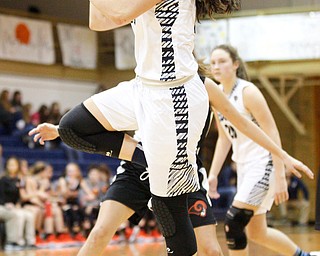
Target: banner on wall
<point x="209" y="34"/>
<point x="124" y="48"/>
<point x="264" y="37"/>
<point x="277" y="37"/>
<point x="23" y="39"/>
<point x="78" y="46"/>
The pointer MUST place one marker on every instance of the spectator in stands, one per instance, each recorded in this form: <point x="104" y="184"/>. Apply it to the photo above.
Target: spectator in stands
<point x="15" y="111"/>
<point x="10" y="198"/>
<point x="5" y="101"/>
<point x="69" y="187"/>
<point x="36" y="118"/>
<point x="54" y="113"/>
<point x="24" y="125"/>
<point x="1" y="161"/>
<point x="147" y="230"/>
<point x="89" y="204"/>
<point x="29" y="197"/>
<point x="40" y="116"/>
<point x="6" y="112"/>
<point x="54" y="118"/>
<point x="105" y="175"/>
<point x="10" y="218"/>
<point x="297" y="208"/>
<point x="51" y="211"/>
<point x="16" y="101"/>
<point x="227" y="182"/>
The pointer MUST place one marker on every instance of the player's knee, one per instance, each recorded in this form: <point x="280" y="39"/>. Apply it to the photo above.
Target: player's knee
<point x="209" y="250"/>
<point x="175" y="225"/>
<point x="100" y="233"/>
<point x="258" y="236"/>
<point x="235" y="223"/>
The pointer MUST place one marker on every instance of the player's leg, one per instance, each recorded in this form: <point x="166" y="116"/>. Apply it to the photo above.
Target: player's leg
<point x="202" y="217"/>
<point x="175" y="225"/>
<point x="127" y="197"/>
<point x="237" y="218"/>
<point x="170" y="134"/>
<point x="273" y="239"/>
<point x="111" y="215"/>
<point x="96" y="125"/>
<point x="207" y="241"/>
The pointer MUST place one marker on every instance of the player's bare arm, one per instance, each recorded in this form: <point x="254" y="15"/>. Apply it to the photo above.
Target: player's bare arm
<point x="219" y="101"/>
<point x="110" y="14"/>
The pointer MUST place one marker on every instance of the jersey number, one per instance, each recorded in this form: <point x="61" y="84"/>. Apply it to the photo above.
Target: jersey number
<point x="232" y="131"/>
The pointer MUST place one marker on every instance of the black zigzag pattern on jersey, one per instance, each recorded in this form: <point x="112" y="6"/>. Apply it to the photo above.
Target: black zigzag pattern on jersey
<point x="182" y="177"/>
<point x="167" y="12"/>
<point x="260" y="189"/>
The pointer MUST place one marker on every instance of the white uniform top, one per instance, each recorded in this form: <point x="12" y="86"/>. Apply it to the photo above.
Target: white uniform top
<point x="166" y="32"/>
<point x="244" y="149"/>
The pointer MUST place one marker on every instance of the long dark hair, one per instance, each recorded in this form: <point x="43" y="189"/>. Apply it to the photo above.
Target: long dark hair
<point x="211" y="7"/>
<point x="234" y="55"/>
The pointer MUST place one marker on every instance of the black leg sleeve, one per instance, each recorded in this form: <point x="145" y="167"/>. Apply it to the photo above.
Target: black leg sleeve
<point x="80" y="130"/>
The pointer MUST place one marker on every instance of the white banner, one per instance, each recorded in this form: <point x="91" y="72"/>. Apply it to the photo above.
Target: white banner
<point x="264" y="37"/>
<point x="208" y="35"/>
<point x="277" y="37"/>
<point x="124" y="48"/>
<point x="23" y="39"/>
<point x="78" y="45"/>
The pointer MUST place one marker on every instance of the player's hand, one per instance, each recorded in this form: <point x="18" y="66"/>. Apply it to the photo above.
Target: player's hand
<point x="44" y="132"/>
<point x="281" y="190"/>
<point x="213" y="187"/>
<point x="296" y="167"/>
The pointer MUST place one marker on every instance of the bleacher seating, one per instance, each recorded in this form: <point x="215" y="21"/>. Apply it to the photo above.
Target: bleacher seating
<point x="14" y="146"/>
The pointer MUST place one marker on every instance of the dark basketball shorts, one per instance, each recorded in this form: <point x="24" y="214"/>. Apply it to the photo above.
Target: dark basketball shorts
<point x="130" y="190"/>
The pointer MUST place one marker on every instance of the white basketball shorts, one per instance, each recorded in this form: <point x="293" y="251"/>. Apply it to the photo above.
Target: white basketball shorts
<point x="170" y="120"/>
<point x="256" y="184"/>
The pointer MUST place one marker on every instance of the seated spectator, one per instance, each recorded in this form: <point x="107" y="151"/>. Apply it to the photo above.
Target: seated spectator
<point x="105" y="176"/>
<point x="146" y="231"/>
<point x="6" y="113"/>
<point x="24" y="125"/>
<point x="297" y="208"/>
<point x="1" y="161"/>
<point x="29" y="197"/>
<point x="10" y="199"/>
<point x="54" y="113"/>
<point x="16" y="101"/>
<point x="41" y="116"/>
<point x="226" y="186"/>
<point x="69" y="187"/>
<point x="39" y="199"/>
<point x="10" y="219"/>
<point x="36" y="118"/>
<point x="54" y="118"/>
<point x="91" y="204"/>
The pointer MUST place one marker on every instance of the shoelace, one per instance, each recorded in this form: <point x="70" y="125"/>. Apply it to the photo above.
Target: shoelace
<point x="144" y="175"/>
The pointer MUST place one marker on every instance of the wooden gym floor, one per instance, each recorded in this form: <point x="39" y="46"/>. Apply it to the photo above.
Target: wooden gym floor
<point x="306" y="237"/>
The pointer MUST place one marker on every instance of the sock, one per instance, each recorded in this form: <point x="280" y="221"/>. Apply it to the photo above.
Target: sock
<point x="138" y="156"/>
<point x="299" y="252"/>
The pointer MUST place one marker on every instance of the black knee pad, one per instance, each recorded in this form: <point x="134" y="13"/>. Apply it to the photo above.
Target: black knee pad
<point x="80" y="130"/>
<point x="235" y="222"/>
<point x="174" y="223"/>
<point x="69" y="137"/>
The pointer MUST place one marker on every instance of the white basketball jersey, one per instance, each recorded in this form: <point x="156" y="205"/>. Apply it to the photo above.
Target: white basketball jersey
<point x="244" y="149"/>
<point x="164" y="41"/>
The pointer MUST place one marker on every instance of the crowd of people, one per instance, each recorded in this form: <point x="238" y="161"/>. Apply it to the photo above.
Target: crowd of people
<point x="62" y="210"/>
<point x="17" y="116"/>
